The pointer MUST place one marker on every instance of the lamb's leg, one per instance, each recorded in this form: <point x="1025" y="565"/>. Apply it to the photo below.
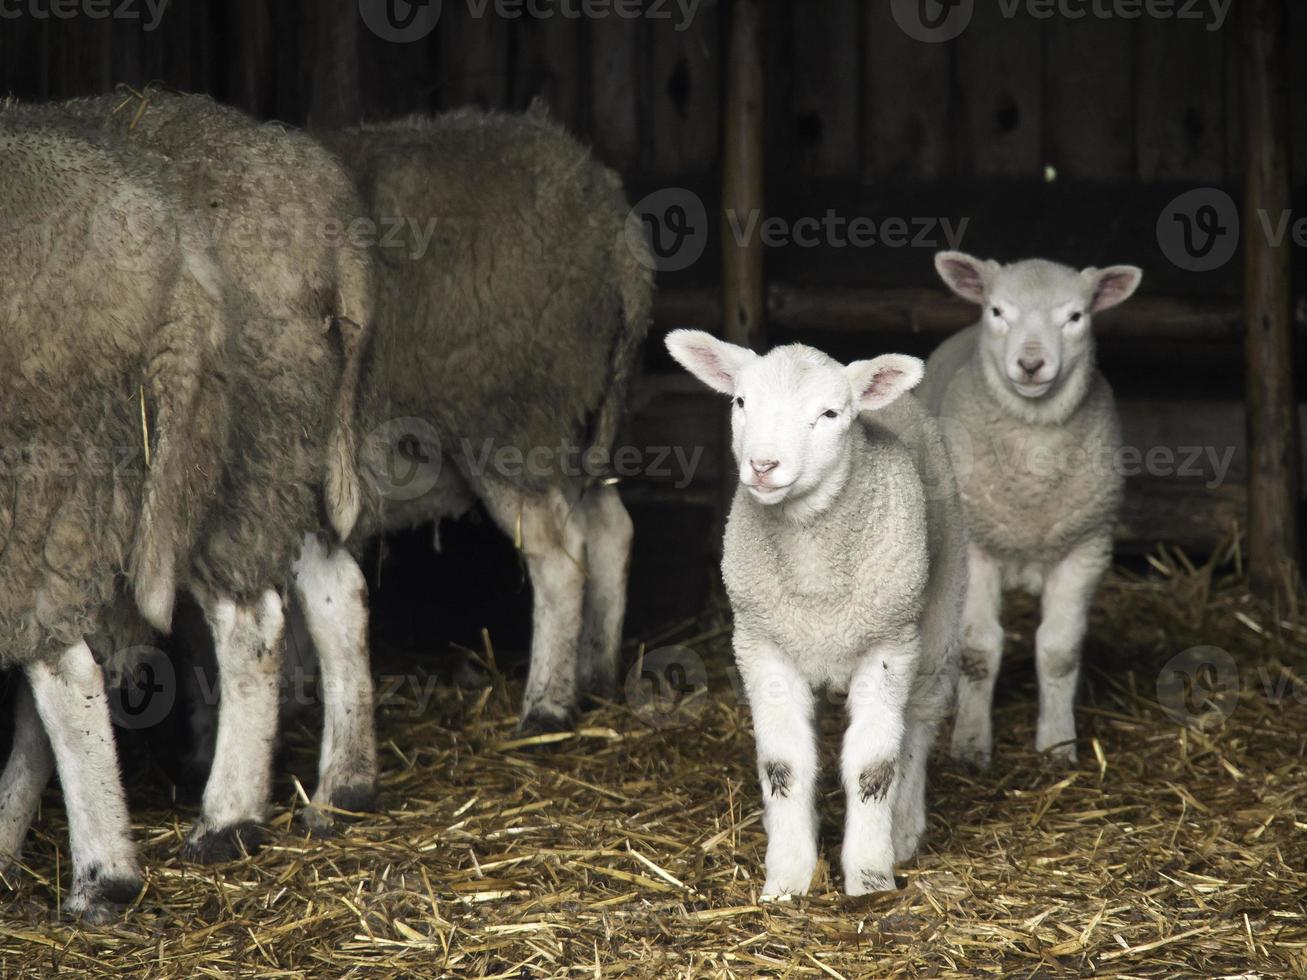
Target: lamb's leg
<point x="783" y="729"/>
<point x="28" y="771"/>
<point x="551" y="536"/>
<point x="909" y="813"/>
<point x="333" y="596"/>
<point x="69" y="695"/>
<point x="608" y="533"/>
<point x="871" y="762"/>
<point x="1064" y="614"/>
<point x="982" y="652"/>
<point x="247" y="641"/>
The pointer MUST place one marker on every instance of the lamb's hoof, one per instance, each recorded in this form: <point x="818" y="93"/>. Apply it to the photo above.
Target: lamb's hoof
<point x="205" y="846"/>
<point x="869" y="882"/>
<point x="99" y="900"/>
<point x="540" y="721"/>
<point x="328" y="823"/>
<point x="974" y="760"/>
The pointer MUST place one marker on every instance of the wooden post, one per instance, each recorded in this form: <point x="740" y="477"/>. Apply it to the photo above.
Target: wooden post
<point x="335" y="100"/>
<point x="1273" y="462"/>
<point x="744" y="288"/>
<point x="744" y="300"/>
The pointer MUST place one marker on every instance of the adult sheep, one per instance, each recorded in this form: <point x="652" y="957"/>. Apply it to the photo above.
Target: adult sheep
<point x="113" y="333"/>
<point x="510" y="314"/>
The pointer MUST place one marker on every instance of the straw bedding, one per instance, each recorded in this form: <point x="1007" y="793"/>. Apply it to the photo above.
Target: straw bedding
<point x="631" y="850"/>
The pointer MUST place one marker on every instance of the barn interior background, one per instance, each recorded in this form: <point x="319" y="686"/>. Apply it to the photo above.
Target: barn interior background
<point x="1067" y="137"/>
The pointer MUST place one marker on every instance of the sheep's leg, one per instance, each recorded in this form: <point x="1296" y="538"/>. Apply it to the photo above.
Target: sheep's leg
<point x="551" y="536"/>
<point x="982" y="652"/>
<point x="781" y="700"/>
<point x="70" y="698"/>
<point x="908" y="820"/>
<point x="247" y="641"/>
<point x="1064" y="614"/>
<point x="333" y="597"/>
<point x="608" y="533"/>
<point x="27" y="773"/>
<point x="871" y="762"/>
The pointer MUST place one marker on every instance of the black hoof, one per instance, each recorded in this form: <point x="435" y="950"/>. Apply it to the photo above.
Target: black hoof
<point x="101" y="900"/>
<point x="541" y="722"/>
<point x="327" y="823"/>
<point x="355" y="799"/>
<point x="229" y="844"/>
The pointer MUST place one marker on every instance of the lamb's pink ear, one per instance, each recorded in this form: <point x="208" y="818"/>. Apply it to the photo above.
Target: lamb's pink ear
<point x="880" y="381"/>
<point x="967" y="276"/>
<point x="714" y="362"/>
<point x="1113" y="285"/>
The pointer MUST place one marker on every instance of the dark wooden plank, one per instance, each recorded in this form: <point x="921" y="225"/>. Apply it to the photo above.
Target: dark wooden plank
<point x="474" y="56"/>
<point x="251" y="67"/>
<point x="907" y="124"/>
<point x="1298" y="88"/>
<point x="685" y="99"/>
<point x="1180" y="110"/>
<point x="999" y="79"/>
<point x="1089" y="101"/>
<point x="823" y="108"/>
<point x="1274" y="473"/>
<point x="550" y="66"/>
<point x="619" y="105"/>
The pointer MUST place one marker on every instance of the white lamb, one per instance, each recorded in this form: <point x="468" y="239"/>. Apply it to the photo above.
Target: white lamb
<point x="1034" y="437"/>
<point x="844" y="562"/>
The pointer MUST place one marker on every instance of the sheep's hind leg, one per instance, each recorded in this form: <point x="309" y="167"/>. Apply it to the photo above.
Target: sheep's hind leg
<point x="1064" y="615"/>
<point x="247" y="640"/>
<point x="608" y="533"/>
<point x="982" y="653"/>
<point x="27" y="773"/>
<point x="909" y="810"/>
<point x="70" y="697"/>
<point x="333" y="597"/>
<point x="871" y="763"/>
<point x="551" y="537"/>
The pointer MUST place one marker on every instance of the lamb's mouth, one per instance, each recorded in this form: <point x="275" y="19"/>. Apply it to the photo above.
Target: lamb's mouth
<point x="767" y="494"/>
<point x="1038" y="390"/>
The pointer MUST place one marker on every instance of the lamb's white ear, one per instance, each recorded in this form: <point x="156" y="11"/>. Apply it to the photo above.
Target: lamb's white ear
<point x="880" y="381"/>
<point x="1113" y="285"/>
<point x="966" y="275"/>
<point x="714" y="362"/>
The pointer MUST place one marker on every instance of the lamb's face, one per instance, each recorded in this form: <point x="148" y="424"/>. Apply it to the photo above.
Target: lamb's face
<point x="790" y="417"/>
<point x="792" y="410"/>
<point x="1035" y="324"/>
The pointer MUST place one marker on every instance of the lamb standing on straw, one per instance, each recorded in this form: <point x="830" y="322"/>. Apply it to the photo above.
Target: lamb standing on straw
<point x="844" y="562"/>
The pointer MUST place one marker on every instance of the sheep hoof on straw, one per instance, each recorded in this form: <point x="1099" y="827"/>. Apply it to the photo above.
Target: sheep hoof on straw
<point x="228" y="844"/>
<point x="350" y="799"/>
<point x="541" y="722"/>
<point x="103" y="899"/>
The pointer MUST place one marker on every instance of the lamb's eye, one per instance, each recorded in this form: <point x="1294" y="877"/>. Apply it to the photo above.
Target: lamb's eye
<point x="1077" y="317"/>
<point x="997" y="312"/>
<point x="830" y="413"/>
<point x="740" y="401"/>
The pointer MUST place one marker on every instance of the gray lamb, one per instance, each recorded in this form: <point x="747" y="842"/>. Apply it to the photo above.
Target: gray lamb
<point x="113" y="329"/>
<point x="1034" y="436"/>
<point x="844" y="563"/>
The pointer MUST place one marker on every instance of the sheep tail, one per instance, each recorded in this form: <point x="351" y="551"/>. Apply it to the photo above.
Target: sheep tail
<point x="343" y="493"/>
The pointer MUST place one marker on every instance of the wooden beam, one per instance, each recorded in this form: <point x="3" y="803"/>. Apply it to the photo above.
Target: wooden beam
<point x="743" y="285"/>
<point x="1273" y="559"/>
<point x="934" y="313"/>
